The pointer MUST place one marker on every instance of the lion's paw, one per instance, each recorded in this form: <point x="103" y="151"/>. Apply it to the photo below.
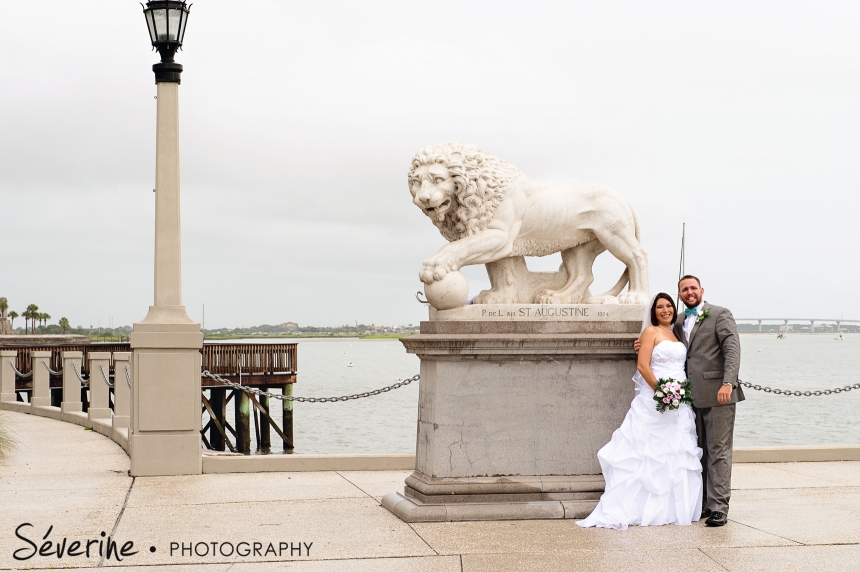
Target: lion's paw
<point x="494" y="297"/>
<point x="432" y="272"/>
<point x="633" y="298"/>
<point x="555" y="297"/>
<point x="481" y="298"/>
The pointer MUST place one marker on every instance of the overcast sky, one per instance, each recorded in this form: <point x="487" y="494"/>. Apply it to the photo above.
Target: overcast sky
<point x="299" y="120"/>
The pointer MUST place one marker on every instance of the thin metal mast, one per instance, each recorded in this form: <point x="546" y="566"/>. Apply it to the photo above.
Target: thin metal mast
<point x="681" y="267"/>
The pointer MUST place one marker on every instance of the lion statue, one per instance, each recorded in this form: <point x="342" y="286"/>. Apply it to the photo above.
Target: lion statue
<point x="493" y="214"/>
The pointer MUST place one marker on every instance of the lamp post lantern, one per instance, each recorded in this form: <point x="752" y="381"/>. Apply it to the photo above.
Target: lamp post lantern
<point x="166" y="20"/>
<point x="164" y="436"/>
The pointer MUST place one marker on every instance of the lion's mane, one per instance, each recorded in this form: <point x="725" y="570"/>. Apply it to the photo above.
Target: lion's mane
<point x="480" y="178"/>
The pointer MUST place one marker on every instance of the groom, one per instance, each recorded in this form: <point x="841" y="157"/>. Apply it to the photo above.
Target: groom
<point x="713" y="361"/>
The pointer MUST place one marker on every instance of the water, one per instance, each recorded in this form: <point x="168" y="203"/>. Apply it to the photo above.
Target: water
<point x="804" y="363"/>
<point x="387" y="423"/>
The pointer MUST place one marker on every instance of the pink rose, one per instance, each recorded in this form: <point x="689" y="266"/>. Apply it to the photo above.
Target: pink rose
<point x="665" y="400"/>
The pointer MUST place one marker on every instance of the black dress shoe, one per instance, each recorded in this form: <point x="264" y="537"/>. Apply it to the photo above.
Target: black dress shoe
<point x="717" y="518"/>
<point x="706" y="512"/>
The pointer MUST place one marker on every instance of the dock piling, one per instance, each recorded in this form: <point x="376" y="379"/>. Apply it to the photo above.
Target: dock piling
<point x="265" y="442"/>
<point x="288" y="417"/>
<point x="242" y="406"/>
<point x="218" y="402"/>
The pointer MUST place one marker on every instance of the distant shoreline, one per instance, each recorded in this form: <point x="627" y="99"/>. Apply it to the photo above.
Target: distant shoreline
<point x="323" y="336"/>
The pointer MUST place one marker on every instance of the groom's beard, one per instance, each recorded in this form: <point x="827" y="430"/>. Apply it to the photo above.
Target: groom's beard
<point x="693" y="305"/>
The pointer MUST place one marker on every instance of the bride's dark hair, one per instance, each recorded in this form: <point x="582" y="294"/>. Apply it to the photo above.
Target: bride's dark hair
<point x="662" y="296"/>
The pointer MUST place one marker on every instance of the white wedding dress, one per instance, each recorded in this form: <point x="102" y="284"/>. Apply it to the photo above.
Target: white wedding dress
<point x="652" y="464"/>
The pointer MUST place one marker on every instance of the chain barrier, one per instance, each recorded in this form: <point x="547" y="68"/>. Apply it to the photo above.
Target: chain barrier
<point x="399" y="384"/>
<point x="52" y="372"/>
<point x="15" y="369"/>
<point x="255" y="391"/>
<point x="799" y="393"/>
<point x="104" y="377"/>
<point x="84" y="382"/>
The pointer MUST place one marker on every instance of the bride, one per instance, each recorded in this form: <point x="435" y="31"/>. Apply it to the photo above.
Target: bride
<point x="651" y="465"/>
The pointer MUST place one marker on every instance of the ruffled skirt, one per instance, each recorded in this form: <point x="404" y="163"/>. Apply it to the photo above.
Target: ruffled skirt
<point x="652" y="469"/>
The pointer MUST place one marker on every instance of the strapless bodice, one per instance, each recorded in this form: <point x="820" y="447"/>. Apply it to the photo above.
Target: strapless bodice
<point x="667" y="360"/>
<point x="669" y="353"/>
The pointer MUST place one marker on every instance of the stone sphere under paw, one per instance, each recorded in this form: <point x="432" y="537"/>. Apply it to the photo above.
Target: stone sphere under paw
<point x="449" y="293"/>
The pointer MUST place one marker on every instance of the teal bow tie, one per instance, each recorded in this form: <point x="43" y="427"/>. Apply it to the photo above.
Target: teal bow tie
<point x="694" y="311"/>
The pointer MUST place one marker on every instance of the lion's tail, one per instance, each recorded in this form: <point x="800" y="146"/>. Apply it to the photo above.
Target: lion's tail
<point x="619" y="286"/>
<point x="625" y="276"/>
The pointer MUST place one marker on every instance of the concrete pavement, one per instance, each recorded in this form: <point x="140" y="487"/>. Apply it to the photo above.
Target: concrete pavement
<point x="785" y="516"/>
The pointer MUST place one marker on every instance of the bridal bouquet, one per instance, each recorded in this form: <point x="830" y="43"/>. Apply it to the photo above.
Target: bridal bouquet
<point x="670" y="394"/>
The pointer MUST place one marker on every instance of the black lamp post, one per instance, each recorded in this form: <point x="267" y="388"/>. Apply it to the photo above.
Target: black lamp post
<point x="166" y="21"/>
<point x="164" y="431"/>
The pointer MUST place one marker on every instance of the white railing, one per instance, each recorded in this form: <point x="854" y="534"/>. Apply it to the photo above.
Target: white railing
<point x="82" y="402"/>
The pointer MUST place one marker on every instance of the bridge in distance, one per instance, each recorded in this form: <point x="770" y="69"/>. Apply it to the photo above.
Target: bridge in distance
<point x="810" y="321"/>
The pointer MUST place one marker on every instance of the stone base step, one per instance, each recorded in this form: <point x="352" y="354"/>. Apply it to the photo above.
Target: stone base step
<point x="412" y="510"/>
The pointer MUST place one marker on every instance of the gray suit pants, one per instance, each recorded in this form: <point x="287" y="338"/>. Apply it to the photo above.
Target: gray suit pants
<point x="715" y="427"/>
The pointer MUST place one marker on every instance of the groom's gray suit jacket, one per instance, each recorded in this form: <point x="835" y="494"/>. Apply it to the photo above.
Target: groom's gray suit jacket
<point x="713" y="355"/>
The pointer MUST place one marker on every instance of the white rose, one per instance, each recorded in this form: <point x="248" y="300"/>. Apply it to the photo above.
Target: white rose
<point x="675" y="402"/>
<point x="681" y="391"/>
<point x="659" y="394"/>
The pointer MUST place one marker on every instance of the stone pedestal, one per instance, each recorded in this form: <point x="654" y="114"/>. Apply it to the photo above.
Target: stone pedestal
<point x="165" y="396"/>
<point x="8" y="359"/>
<point x="41" y="396"/>
<point x="513" y="409"/>
<point x="121" y="389"/>
<point x="71" y="383"/>
<point x="99" y="407"/>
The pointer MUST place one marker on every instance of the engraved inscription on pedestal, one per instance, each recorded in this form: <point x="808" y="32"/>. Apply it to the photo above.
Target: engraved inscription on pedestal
<point x="542" y="312"/>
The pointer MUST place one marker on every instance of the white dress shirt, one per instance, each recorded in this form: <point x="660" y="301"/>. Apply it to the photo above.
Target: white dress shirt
<point x="690" y="321"/>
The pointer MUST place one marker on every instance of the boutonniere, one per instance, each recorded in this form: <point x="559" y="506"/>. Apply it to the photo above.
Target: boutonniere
<point x="704" y="314"/>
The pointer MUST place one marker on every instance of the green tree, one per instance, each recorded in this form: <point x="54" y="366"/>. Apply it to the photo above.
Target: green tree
<point x="31" y="313"/>
<point x="44" y="319"/>
<point x="4" y="305"/>
<point x="64" y="323"/>
<point x="12" y="315"/>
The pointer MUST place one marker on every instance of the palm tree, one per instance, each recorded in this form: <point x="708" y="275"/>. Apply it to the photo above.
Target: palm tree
<point x="64" y="323"/>
<point x="12" y="315"/>
<point x="44" y="318"/>
<point x="30" y="314"/>
<point x="4" y="305"/>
